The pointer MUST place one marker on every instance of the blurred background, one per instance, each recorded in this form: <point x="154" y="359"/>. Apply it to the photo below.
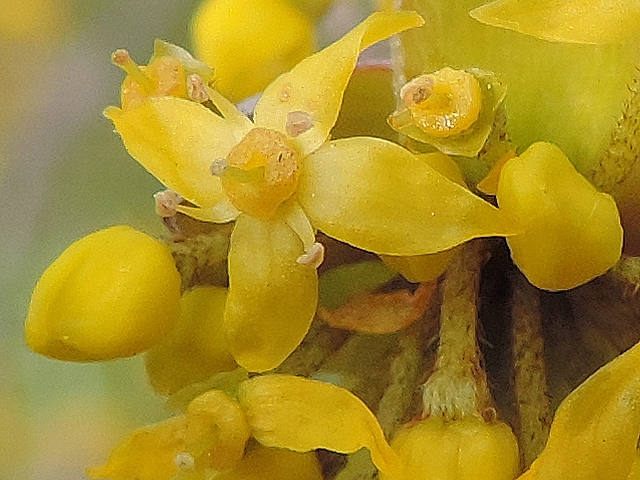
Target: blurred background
<point x="64" y="174"/>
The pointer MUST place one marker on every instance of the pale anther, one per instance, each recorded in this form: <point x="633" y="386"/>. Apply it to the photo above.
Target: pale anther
<point x="196" y="89"/>
<point x="123" y="59"/>
<point x="219" y="167"/>
<point x="167" y="203"/>
<point x="298" y="122"/>
<point x="184" y="461"/>
<point x="314" y="256"/>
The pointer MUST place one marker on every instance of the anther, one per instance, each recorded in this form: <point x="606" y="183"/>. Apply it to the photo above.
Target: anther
<point x="122" y="59"/>
<point x="298" y="122"/>
<point x="313" y="256"/>
<point x="196" y="89"/>
<point x="184" y="461"/>
<point x="219" y="167"/>
<point x="167" y="202"/>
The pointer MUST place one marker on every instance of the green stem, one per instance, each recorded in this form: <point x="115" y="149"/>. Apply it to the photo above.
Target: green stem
<point x="530" y="371"/>
<point x="458" y="387"/>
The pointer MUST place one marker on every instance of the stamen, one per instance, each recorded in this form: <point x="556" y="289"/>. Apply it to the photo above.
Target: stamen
<point x="196" y="89"/>
<point x="122" y="59"/>
<point x="167" y="203"/>
<point x="221" y="168"/>
<point x="184" y="461"/>
<point x="313" y="256"/>
<point x="298" y="122"/>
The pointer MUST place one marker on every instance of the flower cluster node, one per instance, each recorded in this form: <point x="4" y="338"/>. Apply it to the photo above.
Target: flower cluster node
<point x="166" y="203"/>
<point x="313" y="256"/>
<point x="298" y="122"/>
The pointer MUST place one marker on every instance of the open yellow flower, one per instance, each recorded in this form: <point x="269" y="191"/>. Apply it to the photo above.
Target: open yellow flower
<point x="279" y="178"/>
<point x="283" y="413"/>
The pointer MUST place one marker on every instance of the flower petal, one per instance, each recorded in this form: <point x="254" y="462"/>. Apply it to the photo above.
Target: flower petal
<point x="146" y="454"/>
<point x="177" y="141"/>
<point x="222" y="212"/>
<point x="594" y="434"/>
<point x="316" y="85"/>
<point x="302" y="415"/>
<point x="568" y="21"/>
<point x="378" y="196"/>
<point x="272" y="298"/>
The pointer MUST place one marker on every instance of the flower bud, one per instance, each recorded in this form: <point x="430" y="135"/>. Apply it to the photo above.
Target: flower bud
<point x="467" y="449"/>
<point x="250" y="42"/>
<point x="114" y="293"/>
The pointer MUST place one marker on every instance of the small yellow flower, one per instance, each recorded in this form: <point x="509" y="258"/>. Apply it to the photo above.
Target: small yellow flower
<point x="464" y="449"/>
<point x="285" y="414"/>
<point x="114" y="293"/>
<point x="279" y="179"/>
<point x="452" y="110"/>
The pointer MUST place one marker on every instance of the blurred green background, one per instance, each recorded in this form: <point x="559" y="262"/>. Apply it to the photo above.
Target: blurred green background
<point x="64" y="174"/>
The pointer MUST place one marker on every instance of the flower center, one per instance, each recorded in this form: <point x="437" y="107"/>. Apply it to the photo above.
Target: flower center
<point x="260" y="172"/>
<point x="443" y="103"/>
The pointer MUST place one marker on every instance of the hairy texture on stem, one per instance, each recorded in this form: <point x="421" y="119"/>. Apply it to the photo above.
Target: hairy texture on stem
<point x="622" y="153"/>
<point x="458" y="387"/>
<point x="530" y="371"/>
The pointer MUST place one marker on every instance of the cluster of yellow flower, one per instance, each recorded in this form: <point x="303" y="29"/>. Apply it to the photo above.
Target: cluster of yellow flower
<point x="281" y="179"/>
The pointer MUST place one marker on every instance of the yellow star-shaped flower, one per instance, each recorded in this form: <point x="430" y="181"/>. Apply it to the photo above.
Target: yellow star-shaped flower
<point x="280" y="178"/>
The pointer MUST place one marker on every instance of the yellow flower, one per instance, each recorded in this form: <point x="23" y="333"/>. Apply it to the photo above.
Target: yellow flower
<point x="114" y="293"/>
<point x="285" y="414"/>
<point x="279" y="178"/>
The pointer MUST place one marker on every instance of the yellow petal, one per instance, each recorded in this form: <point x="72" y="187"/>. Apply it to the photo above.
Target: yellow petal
<point x="421" y="268"/>
<point x="316" y="85"/>
<point x="572" y="232"/>
<point x="303" y="415"/>
<point x="379" y="197"/>
<point x="467" y="449"/>
<point x="146" y="454"/>
<point x="594" y="434"/>
<point x="272" y="298"/>
<point x="567" y="21"/>
<point x="217" y="430"/>
<point x="222" y="212"/>
<point x="196" y="348"/>
<point x="112" y="294"/>
<point x="177" y="141"/>
<point x="262" y="463"/>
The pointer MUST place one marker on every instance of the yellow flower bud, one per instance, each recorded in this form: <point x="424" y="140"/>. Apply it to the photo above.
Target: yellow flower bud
<point x="250" y="42"/>
<point x="114" y="293"/>
<point x="459" y="450"/>
<point x="196" y="348"/>
<point x="262" y="463"/>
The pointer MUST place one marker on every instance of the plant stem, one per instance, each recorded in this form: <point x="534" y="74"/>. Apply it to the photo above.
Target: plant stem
<point x="530" y="371"/>
<point x="458" y="387"/>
